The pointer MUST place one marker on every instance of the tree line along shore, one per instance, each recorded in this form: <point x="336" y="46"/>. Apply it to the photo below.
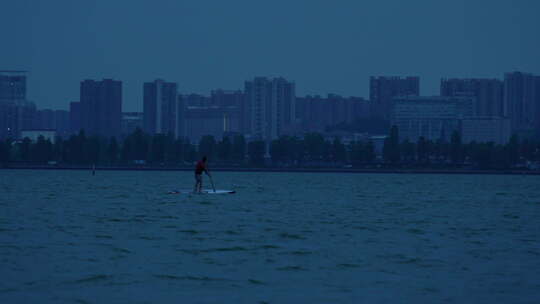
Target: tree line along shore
<point x="160" y="152"/>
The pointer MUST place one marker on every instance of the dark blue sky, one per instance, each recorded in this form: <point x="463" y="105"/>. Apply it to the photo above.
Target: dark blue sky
<point x="325" y="46"/>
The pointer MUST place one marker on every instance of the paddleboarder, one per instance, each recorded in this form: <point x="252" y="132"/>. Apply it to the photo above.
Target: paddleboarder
<point x="200" y="167"/>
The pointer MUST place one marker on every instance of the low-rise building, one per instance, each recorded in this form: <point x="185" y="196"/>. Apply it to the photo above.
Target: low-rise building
<point x="434" y="118"/>
<point x="486" y="129"/>
<point x="211" y="120"/>
<point x="131" y="121"/>
<point x="14" y="117"/>
<point x="378" y="144"/>
<point x="316" y="113"/>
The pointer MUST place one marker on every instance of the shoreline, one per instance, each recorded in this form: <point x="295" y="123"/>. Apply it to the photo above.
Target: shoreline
<point x="286" y="170"/>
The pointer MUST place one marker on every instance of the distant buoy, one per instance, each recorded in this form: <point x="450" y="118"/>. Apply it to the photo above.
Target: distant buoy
<point x="94" y="170"/>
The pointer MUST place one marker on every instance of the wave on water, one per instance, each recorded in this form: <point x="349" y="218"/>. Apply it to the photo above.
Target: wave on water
<point x="93" y="278"/>
<point x="329" y="238"/>
<point x="189" y="278"/>
<point x="292" y="268"/>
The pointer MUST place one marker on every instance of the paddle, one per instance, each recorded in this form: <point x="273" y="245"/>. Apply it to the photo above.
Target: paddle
<point x="212" y="181"/>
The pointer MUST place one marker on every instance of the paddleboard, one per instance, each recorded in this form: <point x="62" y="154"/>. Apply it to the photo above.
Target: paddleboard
<point x="203" y="192"/>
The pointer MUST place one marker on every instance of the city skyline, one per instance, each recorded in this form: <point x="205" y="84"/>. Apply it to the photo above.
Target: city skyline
<point x="241" y="151"/>
<point x="139" y="105"/>
<point x="205" y="45"/>
<point x="266" y="108"/>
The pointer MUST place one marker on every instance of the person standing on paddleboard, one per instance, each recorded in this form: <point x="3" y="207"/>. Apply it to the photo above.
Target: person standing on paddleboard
<point x="199" y="169"/>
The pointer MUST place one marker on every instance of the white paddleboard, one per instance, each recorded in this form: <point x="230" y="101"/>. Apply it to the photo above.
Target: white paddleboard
<point x="203" y="192"/>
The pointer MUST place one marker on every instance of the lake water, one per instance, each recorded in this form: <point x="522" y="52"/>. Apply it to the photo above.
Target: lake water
<point x="117" y="237"/>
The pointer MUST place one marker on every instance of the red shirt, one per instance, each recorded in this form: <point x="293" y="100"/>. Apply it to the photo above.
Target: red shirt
<point x="200" y="167"/>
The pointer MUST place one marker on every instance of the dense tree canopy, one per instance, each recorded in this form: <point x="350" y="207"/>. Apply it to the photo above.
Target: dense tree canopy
<point x="311" y="150"/>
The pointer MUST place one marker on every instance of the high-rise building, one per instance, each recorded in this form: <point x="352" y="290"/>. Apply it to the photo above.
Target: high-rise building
<point x="537" y="107"/>
<point x="434" y="118"/>
<point x="488" y="93"/>
<point x="522" y="102"/>
<point x="12" y="85"/>
<point x="313" y="113"/>
<point x="383" y="89"/>
<point x="16" y="113"/>
<point x="160" y="107"/>
<point x="271" y="105"/>
<point x="101" y="107"/>
<point x="181" y="117"/>
<point x="75" y="118"/>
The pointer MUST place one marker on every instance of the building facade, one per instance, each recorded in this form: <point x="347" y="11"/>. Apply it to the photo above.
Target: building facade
<point x="16" y="112"/>
<point x="160" y="107"/>
<point x="210" y="120"/>
<point x="235" y="103"/>
<point x="16" y="116"/>
<point x="44" y="120"/>
<point x="220" y="113"/>
<point x="434" y="118"/>
<point x="181" y="117"/>
<point x="12" y="85"/>
<point x="61" y="118"/>
<point x="75" y="118"/>
<point x="382" y="90"/>
<point x="316" y="113"/>
<point x="131" y="121"/>
<point x="57" y="120"/>
<point x="489" y="93"/>
<point x="271" y="104"/>
<point x="522" y="102"/>
<point x="485" y="129"/>
<point x="101" y="107"/>
<point x="537" y="107"/>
